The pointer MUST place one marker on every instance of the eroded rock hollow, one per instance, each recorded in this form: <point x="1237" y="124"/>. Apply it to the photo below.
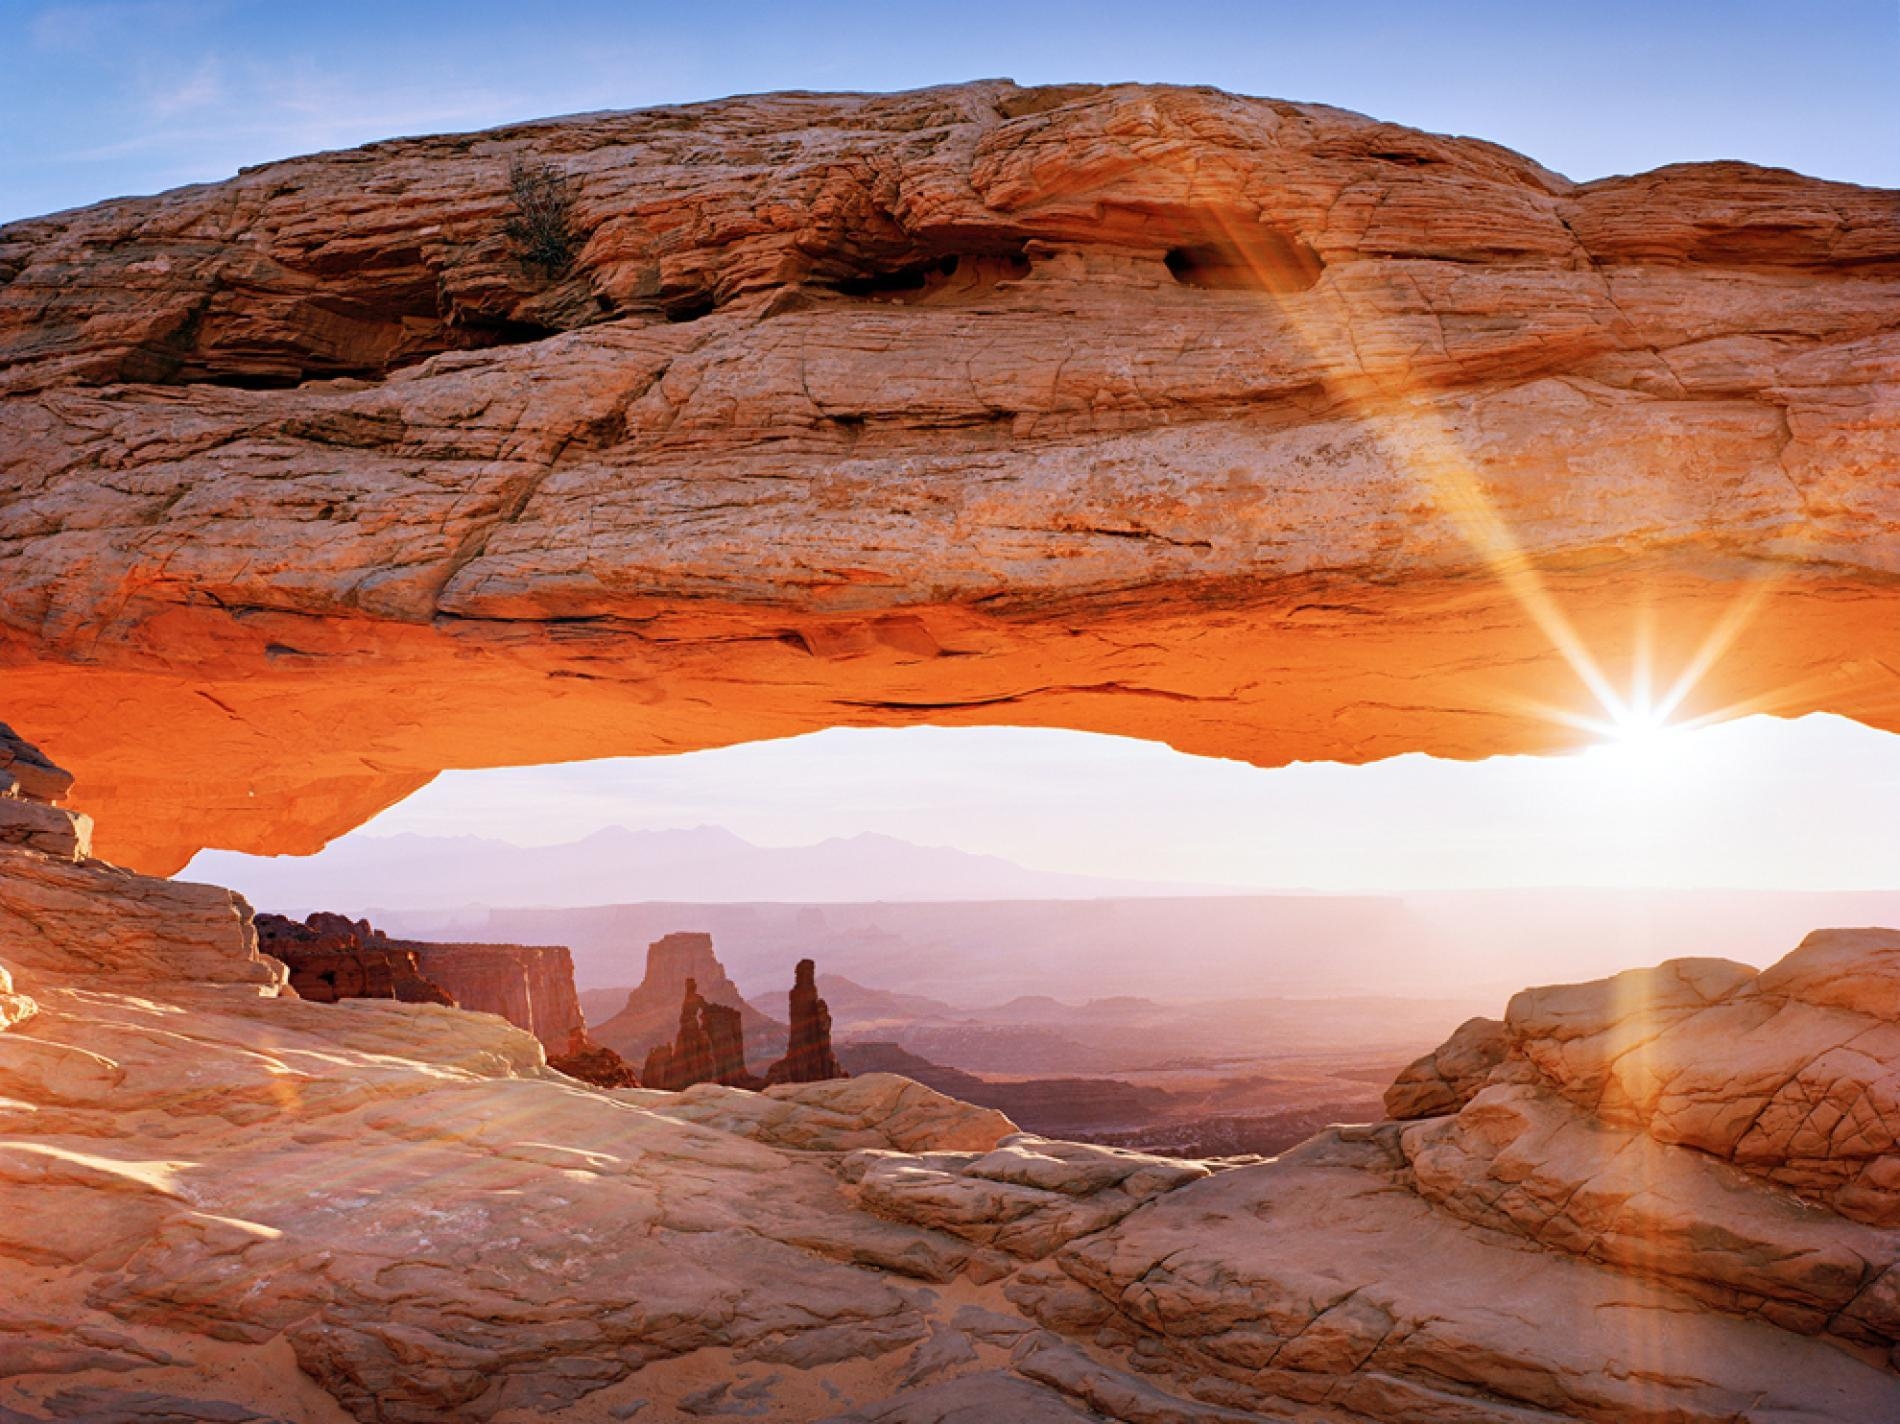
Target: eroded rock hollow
<point x="1264" y="429"/>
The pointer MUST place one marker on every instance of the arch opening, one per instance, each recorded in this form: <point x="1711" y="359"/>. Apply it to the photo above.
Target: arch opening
<point x="999" y="912"/>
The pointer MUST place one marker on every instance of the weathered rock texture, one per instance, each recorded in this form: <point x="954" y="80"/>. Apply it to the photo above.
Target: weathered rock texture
<point x="31" y="788"/>
<point x="1667" y="1196"/>
<point x="1265" y="429"/>
<point x="84" y="921"/>
<point x="808" y="1056"/>
<point x="26" y="774"/>
<point x="651" y="1017"/>
<point x="1448" y="1077"/>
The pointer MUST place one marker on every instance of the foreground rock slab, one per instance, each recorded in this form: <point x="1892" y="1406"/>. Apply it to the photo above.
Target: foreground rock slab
<point x="1665" y="1196"/>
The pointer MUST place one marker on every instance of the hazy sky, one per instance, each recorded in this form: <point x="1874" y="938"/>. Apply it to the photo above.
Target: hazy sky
<point x="102" y="99"/>
<point x="1759" y="803"/>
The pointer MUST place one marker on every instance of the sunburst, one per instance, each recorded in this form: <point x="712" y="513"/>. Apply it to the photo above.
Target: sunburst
<point x="1635" y="719"/>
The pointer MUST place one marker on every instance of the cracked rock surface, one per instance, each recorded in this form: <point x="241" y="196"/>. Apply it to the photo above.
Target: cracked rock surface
<point x="1664" y="1196"/>
<point x="1228" y="422"/>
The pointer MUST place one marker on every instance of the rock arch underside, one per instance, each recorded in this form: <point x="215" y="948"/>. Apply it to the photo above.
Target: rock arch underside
<point x="1238" y="424"/>
<point x="1264" y="429"/>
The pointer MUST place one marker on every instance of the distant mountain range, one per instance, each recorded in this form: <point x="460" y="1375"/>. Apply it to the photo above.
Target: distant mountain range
<point x="1419" y="944"/>
<point x="981" y="930"/>
<point x="706" y="864"/>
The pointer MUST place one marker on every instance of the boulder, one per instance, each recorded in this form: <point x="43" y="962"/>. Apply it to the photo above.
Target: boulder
<point x="26" y="773"/>
<point x="36" y="825"/>
<point x="1448" y="1077"/>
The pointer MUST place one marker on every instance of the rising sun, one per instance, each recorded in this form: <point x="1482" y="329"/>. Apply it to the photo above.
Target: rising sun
<point x="1638" y="739"/>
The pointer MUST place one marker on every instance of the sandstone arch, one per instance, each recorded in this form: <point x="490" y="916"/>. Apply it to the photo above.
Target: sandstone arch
<point x="1264" y="429"/>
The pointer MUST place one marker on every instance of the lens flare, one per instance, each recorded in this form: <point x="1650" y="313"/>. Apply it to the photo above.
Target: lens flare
<point x="1325" y="318"/>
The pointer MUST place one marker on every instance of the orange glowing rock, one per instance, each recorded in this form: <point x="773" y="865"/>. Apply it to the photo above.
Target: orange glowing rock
<point x="1267" y="430"/>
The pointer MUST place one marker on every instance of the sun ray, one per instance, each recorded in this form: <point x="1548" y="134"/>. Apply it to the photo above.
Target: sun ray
<point x="1318" y="314"/>
<point x="1430" y="453"/>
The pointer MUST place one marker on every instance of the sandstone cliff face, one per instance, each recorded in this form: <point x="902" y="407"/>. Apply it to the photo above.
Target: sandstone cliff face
<point x="530" y="985"/>
<point x="1664" y="1196"/>
<point x="331" y="957"/>
<point x="1265" y="429"/>
<point x="651" y="1016"/>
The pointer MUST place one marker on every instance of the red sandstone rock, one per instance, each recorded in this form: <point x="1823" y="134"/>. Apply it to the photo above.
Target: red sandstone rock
<point x="25" y="772"/>
<point x="30" y="789"/>
<point x="332" y="957"/>
<point x="220" y="1202"/>
<point x="41" y="827"/>
<point x="69" y="919"/>
<point x="81" y="920"/>
<point x="808" y="1056"/>
<point x="532" y="986"/>
<point x="1132" y="409"/>
<point x="708" y="1048"/>
<point x="652" y="1011"/>
<point x="1448" y="1077"/>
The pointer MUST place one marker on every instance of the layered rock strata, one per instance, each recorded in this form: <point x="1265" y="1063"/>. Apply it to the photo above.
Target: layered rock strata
<point x="808" y="1055"/>
<point x="530" y="985"/>
<point x="1264" y="429"/>
<point x="31" y="788"/>
<point x="66" y="914"/>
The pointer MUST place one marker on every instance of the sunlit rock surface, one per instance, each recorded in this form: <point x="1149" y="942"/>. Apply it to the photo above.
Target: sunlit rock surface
<point x="1229" y="422"/>
<point x="1667" y="1195"/>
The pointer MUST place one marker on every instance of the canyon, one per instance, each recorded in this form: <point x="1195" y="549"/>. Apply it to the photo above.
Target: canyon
<point x="1263" y="429"/>
<point x="220" y="1201"/>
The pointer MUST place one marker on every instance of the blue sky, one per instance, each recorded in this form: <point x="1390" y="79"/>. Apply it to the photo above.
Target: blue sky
<point x="99" y="100"/>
